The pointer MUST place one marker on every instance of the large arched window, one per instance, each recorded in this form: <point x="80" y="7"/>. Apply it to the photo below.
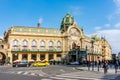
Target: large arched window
<point x="50" y="44"/>
<point x="25" y="44"/>
<point x="15" y="43"/>
<point x="42" y="44"/>
<point x="59" y="44"/>
<point x="34" y="44"/>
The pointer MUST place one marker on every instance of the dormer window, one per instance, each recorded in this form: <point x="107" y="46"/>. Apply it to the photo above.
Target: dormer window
<point x="67" y="19"/>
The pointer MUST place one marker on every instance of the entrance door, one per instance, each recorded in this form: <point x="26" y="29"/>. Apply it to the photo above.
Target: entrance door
<point x="3" y="58"/>
<point x="73" y="58"/>
<point x="24" y="56"/>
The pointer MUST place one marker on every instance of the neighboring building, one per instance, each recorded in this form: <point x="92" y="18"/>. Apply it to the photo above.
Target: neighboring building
<point x="3" y="50"/>
<point x="119" y="55"/>
<point x="114" y="56"/>
<point x="68" y="43"/>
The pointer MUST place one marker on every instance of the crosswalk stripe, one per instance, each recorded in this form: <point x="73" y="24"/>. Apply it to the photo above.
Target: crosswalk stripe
<point x="33" y="74"/>
<point x="63" y="78"/>
<point x="74" y="78"/>
<point x="25" y="73"/>
<point x="40" y="74"/>
<point x="12" y="72"/>
<point x="19" y="72"/>
<point x="62" y="70"/>
<point x="46" y="79"/>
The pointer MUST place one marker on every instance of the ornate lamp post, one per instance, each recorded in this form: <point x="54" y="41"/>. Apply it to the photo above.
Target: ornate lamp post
<point x="92" y="42"/>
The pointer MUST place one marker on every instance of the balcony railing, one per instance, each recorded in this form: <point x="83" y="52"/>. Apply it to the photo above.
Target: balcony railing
<point x="36" y="50"/>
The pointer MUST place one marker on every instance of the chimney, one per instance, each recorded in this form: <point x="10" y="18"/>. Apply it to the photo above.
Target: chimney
<point x="38" y="25"/>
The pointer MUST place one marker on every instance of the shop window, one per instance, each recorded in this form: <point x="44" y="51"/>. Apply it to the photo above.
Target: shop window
<point x="50" y="56"/>
<point x="42" y="56"/>
<point x="24" y="56"/>
<point x="15" y="57"/>
<point x="58" y="55"/>
<point x="33" y="56"/>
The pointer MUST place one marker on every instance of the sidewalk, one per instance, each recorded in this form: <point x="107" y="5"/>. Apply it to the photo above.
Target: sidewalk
<point x="111" y="75"/>
<point x="6" y="65"/>
<point x="110" y="70"/>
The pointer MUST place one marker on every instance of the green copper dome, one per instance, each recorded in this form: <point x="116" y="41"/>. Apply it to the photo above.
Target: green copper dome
<point x="67" y="21"/>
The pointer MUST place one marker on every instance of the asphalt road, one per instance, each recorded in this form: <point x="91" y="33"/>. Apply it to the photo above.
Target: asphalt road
<point x="53" y="72"/>
<point x="4" y="76"/>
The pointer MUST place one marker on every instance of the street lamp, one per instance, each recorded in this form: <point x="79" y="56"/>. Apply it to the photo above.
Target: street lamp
<point x="92" y="42"/>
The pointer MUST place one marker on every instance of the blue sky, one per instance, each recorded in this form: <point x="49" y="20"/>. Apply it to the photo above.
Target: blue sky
<point x="94" y="16"/>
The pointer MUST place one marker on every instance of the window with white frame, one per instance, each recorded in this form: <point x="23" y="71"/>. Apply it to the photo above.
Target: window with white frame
<point x="50" y="45"/>
<point x="25" y="44"/>
<point x="15" y="44"/>
<point x="34" y="44"/>
<point x="58" y="44"/>
<point x="42" y="44"/>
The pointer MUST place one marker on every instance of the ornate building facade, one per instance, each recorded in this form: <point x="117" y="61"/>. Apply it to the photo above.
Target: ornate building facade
<point x="68" y="42"/>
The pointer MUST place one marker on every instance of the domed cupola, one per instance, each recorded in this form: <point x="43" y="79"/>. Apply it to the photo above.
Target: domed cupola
<point x="67" y="21"/>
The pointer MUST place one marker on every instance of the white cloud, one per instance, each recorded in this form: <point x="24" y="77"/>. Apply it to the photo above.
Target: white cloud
<point x="107" y="25"/>
<point x="116" y="12"/>
<point x="97" y="28"/>
<point x="112" y="37"/>
<point x="117" y="25"/>
<point x="117" y="2"/>
<point x="40" y="20"/>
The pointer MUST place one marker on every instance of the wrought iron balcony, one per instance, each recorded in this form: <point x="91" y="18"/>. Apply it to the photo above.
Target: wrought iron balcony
<point x="36" y="50"/>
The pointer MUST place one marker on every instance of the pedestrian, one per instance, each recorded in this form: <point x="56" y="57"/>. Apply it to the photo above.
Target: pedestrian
<point x="105" y="66"/>
<point x="116" y="65"/>
<point x="99" y="64"/>
<point x="89" y="64"/>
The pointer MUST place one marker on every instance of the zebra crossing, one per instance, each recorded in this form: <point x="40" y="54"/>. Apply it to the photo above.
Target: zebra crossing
<point x="72" y="76"/>
<point x="81" y="76"/>
<point x="27" y="73"/>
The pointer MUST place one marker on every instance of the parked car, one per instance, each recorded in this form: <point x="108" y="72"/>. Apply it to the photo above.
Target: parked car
<point x="41" y="64"/>
<point x="22" y="63"/>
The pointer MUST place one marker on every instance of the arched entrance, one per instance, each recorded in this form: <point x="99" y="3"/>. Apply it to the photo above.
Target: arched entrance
<point x="2" y="58"/>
